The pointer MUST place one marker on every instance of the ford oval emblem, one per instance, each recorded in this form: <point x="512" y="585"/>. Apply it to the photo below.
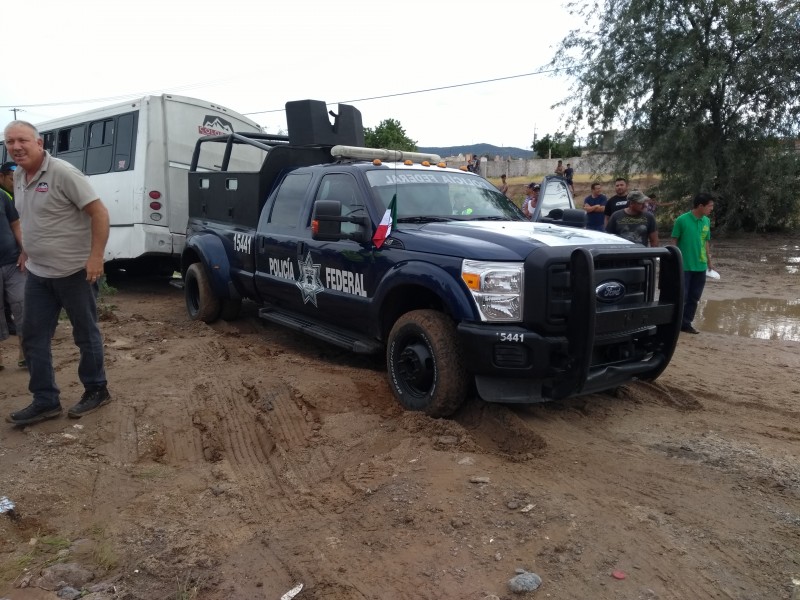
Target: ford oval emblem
<point x="610" y="291"/>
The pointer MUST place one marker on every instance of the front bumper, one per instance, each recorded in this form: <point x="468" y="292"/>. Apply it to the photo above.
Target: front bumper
<point x="601" y="347"/>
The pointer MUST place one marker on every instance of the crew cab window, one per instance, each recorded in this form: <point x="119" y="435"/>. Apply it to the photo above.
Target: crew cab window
<point x="288" y="203"/>
<point x="342" y="187"/>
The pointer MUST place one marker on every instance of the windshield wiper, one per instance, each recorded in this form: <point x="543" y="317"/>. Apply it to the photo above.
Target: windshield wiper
<point x="423" y="219"/>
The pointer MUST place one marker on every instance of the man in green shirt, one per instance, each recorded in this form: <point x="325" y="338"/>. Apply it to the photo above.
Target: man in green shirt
<point x="692" y="233"/>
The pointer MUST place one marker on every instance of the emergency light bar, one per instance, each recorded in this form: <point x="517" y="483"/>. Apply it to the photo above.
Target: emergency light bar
<point x="382" y="154"/>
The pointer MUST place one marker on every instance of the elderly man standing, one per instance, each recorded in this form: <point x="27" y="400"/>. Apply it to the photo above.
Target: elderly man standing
<point x="64" y="232"/>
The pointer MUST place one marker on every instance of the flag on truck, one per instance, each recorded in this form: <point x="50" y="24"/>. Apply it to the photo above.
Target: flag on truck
<point x="384" y="229"/>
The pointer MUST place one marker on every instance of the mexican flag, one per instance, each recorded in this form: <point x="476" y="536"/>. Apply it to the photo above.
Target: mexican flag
<point x="385" y="226"/>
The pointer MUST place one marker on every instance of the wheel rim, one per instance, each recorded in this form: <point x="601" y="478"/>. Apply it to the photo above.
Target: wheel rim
<point x="415" y="367"/>
<point x="192" y="296"/>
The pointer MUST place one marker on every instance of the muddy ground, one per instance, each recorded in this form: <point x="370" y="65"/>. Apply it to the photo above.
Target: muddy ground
<point x="238" y="460"/>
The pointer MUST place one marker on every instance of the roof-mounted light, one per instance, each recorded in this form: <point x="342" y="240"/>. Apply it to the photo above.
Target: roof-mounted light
<point x="382" y="154"/>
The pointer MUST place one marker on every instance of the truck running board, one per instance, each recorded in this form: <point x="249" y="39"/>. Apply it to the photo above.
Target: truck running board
<point x="327" y="333"/>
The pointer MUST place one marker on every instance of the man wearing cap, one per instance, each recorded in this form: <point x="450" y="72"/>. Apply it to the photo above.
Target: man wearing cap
<point x="64" y="232"/>
<point x="531" y="200"/>
<point x="594" y="205"/>
<point x="633" y="222"/>
<point x="7" y="180"/>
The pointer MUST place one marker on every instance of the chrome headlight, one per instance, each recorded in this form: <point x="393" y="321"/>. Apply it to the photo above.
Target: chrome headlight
<point x="497" y="288"/>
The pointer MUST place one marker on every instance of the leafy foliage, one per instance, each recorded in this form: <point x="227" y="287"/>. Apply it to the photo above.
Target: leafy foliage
<point x="559" y="145"/>
<point x="707" y="93"/>
<point x="389" y="134"/>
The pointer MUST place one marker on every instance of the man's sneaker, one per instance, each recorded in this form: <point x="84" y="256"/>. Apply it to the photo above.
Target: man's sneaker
<point x="90" y="402"/>
<point x="33" y="414"/>
<point x="689" y="329"/>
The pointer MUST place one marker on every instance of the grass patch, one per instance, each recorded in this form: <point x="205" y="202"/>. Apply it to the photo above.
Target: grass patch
<point x="151" y="473"/>
<point x="55" y="542"/>
<point x="103" y="553"/>
<point x="12" y="568"/>
<point x="188" y="587"/>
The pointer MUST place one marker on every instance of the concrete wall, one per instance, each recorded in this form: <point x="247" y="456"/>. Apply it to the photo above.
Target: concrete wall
<point x="536" y="167"/>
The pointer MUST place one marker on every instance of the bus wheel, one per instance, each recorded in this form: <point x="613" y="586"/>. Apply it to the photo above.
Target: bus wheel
<point x="201" y="302"/>
<point x="426" y="371"/>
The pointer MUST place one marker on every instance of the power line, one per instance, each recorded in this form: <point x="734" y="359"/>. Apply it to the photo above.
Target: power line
<point x="133" y="95"/>
<point x="436" y="89"/>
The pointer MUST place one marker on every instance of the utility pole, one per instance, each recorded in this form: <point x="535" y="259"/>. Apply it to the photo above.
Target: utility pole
<point x="14" y="110"/>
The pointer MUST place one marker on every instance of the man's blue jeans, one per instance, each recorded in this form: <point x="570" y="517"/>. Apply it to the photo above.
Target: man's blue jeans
<point x="694" y="282"/>
<point x="44" y="299"/>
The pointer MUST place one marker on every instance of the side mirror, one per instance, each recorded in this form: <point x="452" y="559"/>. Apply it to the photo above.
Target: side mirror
<point x="327" y="219"/>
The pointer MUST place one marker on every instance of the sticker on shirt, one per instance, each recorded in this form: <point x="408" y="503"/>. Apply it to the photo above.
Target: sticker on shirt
<point x="42" y="187"/>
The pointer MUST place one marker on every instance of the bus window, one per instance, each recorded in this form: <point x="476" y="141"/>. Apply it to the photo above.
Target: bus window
<point x="49" y="141"/>
<point x="99" y="153"/>
<point x="125" y="142"/>
<point x="70" y="145"/>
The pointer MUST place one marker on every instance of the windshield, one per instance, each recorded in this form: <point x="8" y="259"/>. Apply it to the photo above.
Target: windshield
<point x="432" y="195"/>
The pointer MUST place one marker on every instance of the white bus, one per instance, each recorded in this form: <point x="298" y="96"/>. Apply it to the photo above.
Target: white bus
<point x="137" y="156"/>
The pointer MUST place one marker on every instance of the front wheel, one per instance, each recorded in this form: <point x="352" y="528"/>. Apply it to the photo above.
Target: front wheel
<point x="202" y="303"/>
<point x="426" y="371"/>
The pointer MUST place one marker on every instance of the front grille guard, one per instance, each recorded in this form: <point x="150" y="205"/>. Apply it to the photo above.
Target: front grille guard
<point x="581" y="324"/>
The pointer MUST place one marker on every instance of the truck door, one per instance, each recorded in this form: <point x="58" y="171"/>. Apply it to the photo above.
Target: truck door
<point x="280" y="241"/>
<point x="346" y="268"/>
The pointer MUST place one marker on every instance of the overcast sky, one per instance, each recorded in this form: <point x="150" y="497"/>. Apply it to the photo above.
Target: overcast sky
<point x="254" y="56"/>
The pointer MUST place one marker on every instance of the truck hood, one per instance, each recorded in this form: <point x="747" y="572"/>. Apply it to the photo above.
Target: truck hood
<point x="498" y="240"/>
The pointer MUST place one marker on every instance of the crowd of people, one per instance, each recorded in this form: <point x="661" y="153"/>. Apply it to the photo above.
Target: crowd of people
<point x="53" y="233"/>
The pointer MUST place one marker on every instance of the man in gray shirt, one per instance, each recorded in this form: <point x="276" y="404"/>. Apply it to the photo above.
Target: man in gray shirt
<point x="64" y="232"/>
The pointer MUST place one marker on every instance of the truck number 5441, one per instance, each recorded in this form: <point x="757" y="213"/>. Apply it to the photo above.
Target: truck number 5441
<point x="512" y="337"/>
<point x="242" y="242"/>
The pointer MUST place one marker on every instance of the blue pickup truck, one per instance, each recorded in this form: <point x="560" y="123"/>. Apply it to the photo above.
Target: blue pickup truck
<point x="464" y="295"/>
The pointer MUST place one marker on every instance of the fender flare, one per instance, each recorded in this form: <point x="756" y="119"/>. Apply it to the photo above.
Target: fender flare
<point x="441" y="282"/>
<point x="211" y="250"/>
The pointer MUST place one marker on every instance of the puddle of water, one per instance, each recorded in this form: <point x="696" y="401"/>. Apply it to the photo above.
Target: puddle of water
<point x="761" y="318"/>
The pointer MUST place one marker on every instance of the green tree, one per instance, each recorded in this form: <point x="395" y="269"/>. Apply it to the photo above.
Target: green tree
<point x="559" y="145"/>
<point x="389" y="134"/>
<point x="706" y="93"/>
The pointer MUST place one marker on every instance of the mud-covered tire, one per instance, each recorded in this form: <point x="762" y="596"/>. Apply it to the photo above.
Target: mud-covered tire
<point x="230" y="309"/>
<point x="424" y="363"/>
<point x="201" y="302"/>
